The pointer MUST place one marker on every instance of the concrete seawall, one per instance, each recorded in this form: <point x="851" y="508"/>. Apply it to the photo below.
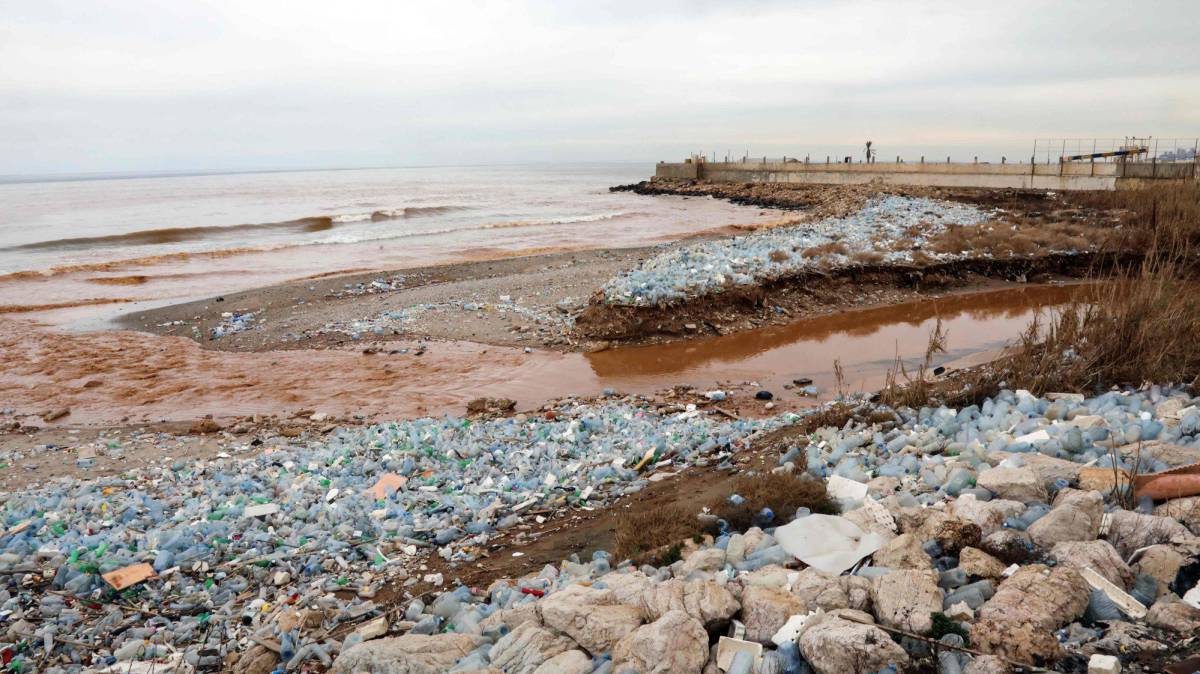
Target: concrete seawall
<point x="1065" y="176"/>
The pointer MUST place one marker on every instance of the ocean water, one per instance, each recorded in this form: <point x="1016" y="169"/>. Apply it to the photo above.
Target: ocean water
<point x="137" y="238"/>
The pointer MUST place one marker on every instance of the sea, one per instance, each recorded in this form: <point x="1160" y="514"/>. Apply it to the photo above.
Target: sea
<point x="97" y="240"/>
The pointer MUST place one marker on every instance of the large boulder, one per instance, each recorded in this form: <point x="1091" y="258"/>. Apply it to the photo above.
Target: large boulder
<point x="1101" y="556"/>
<point x="989" y="515"/>
<point x="705" y="600"/>
<point x="903" y="552"/>
<point x="570" y="662"/>
<point x="1075" y="517"/>
<point x="408" y="654"/>
<point x="1175" y="616"/>
<point x="1017" y="484"/>
<point x="1186" y="510"/>
<point x="766" y="609"/>
<point x="836" y="646"/>
<point x="1161" y="561"/>
<point x="907" y="600"/>
<point x="591" y="617"/>
<point x="675" y="643"/>
<point x="987" y="664"/>
<point x="952" y="533"/>
<point x="1129" y="531"/>
<point x="976" y="562"/>
<point x="704" y="561"/>
<point x="817" y="589"/>
<point x="526" y="648"/>
<point x="1039" y="596"/>
<point x="1018" y="641"/>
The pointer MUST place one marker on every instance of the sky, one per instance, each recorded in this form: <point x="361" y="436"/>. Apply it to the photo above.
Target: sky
<point x="172" y="85"/>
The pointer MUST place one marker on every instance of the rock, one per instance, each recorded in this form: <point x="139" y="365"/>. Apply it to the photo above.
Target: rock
<point x="1175" y="616"/>
<point x="1161" y="561"/>
<point x="1017" y="484"/>
<point x="817" y="589"/>
<point x="1038" y="596"/>
<point x="570" y="662"/>
<point x="408" y="654"/>
<point x="837" y="646"/>
<point x="1018" y="641"/>
<point x="1075" y="517"/>
<point x="952" y="533"/>
<point x="1048" y="468"/>
<point x="1186" y="510"/>
<point x="203" y="427"/>
<point x="1103" y="480"/>
<point x="512" y="617"/>
<point x="526" y="648"/>
<point x="989" y="515"/>
<point x="1099" y="555"/>
<point x="1170" y="454"/>
<point x="903" y="552"/>
<point x="960" y="612"/>
<point x="707" y="560"/>
<point x="1104" y="664"/>
<point x="881" y="487"/>
<point x="591" y="617"/>
<point x="491" y="406"/>
<point x="1129" y="531"/>
<point x="708" y="602"/>
<point x="907" y="600"/>
<point x="1008" y="545"/>
<point x="766" y="609"/>
<point x="858" y="592"/>
<point x="987" y="664"/>
<point x="976" y="562"/>
<point x="675" y="642"/>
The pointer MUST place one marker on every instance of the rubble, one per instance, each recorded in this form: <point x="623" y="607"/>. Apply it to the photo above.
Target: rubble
<point x="274" y="559"/>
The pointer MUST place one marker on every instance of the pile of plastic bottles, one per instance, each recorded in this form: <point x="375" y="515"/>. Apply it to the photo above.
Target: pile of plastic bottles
<point x="233" y="322"/>
<point x="707" y="267"/>
<point x="299" y="520"/>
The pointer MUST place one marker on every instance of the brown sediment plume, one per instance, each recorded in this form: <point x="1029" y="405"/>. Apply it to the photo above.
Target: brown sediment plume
<point x="134" y="280"/>
<point x="92" y="301"/>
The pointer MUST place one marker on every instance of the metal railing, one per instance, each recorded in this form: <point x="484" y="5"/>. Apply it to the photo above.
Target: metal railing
<point x="1137" y="149"/>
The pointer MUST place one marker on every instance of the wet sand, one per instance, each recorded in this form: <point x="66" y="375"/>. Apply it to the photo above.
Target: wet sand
<point x="108" y="377"/>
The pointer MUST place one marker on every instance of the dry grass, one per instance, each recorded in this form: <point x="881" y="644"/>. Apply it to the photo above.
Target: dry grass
<point x="652" y="531"/>
<point x="900" y="389"/>
<point x="1021" y="238"/>
<point x="831" y="248"/>
<point x="867" y="257"/>
<point x="781" y="492"/>
<point x="779" y="256"/>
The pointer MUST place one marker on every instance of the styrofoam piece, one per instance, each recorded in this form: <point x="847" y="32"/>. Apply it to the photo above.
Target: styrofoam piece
<point x="844" y="488"/>
<point x="1040" y="435"/>
<point x="1132" y="607"/>
<point x="727" y="648"/>
<point x="260" y="510"/>
<point x="827" y="542"/>
<point x="1104" y="664"/>
<point x="1192" y="597"/>
<point x="1012" y="568"/>
<point x="880" y="514"/>
<point x="791" y="629"/>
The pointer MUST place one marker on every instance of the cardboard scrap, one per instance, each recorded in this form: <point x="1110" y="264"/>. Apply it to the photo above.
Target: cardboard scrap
<point x="128" y="576"/>
<point x="385" y="482"/>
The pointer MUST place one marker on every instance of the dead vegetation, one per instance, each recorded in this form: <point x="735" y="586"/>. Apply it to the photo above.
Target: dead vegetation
<point x="657" y="535"/>
<point x="781" y="493"/>
<point x="1142" y="325"/>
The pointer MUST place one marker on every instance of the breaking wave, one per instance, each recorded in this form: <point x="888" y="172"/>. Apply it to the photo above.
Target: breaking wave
<point x="317" y="223"/>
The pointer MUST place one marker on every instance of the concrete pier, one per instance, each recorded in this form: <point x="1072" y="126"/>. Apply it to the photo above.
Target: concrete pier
<point x="1060" y="176"/>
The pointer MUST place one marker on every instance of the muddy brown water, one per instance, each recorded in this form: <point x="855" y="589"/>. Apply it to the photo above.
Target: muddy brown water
<point x="113" y="376"/>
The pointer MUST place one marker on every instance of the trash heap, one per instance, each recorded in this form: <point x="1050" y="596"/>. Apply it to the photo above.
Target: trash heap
<point x="710" y="266"/>
<point x="233" y="322"/>
<point x="976" y="540"/>
<point x="399" y="320"/>
<point x="186" y="563"/>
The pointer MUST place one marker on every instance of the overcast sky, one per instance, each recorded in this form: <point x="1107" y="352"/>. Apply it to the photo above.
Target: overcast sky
<point x="118" y="85"/>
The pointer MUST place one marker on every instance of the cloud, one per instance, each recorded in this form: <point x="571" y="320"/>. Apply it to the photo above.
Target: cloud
<point x="117" y="85"/>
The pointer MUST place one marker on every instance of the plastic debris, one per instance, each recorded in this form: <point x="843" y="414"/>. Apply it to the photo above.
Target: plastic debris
<point x="827" y="542"/>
